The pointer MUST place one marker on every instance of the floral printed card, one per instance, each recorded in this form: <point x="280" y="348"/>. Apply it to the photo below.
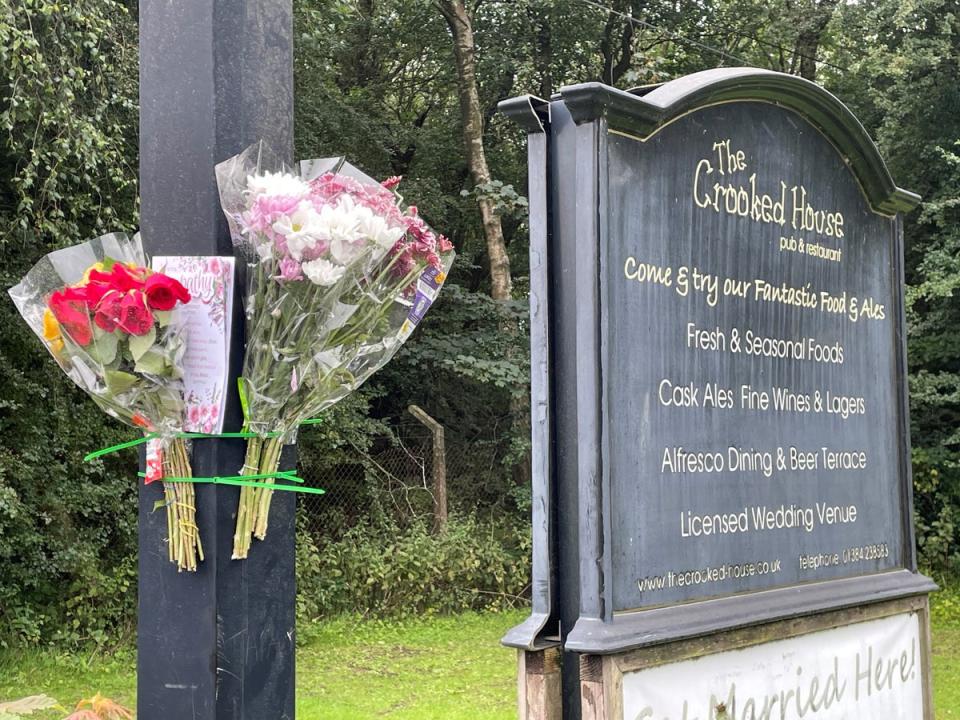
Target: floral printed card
<point x="154" y="468"/>
<point x="210" y="282"/>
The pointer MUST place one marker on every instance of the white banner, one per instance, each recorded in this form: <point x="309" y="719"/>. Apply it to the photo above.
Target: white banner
<point x="868" y="670"/>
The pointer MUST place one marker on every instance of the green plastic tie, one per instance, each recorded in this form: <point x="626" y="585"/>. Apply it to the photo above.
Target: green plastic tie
<point x="281" y="474"/>
<point x="248" y="480"/>
<point x="289" y="488"/>
<point x="189" y="436"/>
<point x="121" y="446"/>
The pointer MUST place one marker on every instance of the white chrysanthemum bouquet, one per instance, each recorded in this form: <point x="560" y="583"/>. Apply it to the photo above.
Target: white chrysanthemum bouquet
<point x="338" y="276"/>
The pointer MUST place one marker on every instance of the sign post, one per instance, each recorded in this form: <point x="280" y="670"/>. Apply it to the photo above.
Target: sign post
<point x="217" y="644"/>
<point x="728" y="459"/>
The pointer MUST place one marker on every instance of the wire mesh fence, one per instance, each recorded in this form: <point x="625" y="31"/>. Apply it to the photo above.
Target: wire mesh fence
<point x="390" y="479"/>
<point x="379" y="542"/>
<point x="394" y="480"/>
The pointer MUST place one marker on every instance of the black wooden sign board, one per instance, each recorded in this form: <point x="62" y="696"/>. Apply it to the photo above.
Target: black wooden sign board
<point x="749" y="347"/>
<point x="720" y="413"/>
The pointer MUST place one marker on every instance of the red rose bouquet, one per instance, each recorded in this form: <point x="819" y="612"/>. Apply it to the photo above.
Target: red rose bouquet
<point x="110" y="323"/>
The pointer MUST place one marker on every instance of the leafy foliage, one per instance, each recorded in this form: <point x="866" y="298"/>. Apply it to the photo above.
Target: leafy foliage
<point x="386" y="570"/>
<point x="506" y="200"/>
<point x="67" y="170"/>
<point x="904" y="84"/>
<point x="68" y="166"/>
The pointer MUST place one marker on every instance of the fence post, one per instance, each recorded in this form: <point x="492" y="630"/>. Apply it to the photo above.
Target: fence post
<point x="439" y="468"/>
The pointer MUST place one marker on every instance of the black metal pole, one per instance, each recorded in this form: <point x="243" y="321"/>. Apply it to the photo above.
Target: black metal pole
<point x="218" y="644"/>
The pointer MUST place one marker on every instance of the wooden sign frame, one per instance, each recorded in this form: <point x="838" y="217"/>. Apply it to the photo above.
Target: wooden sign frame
<point x="601" y="676"/>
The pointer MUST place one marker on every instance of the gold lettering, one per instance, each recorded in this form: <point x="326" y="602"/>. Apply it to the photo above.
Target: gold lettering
<point x="746" y="199"/>
<point x="696" y="183"/>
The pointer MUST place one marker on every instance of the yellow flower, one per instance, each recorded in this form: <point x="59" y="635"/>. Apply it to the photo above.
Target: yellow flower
<point x="51" y="331"/>
<point x="51" y="328"/>
<point x="86" y="275"/>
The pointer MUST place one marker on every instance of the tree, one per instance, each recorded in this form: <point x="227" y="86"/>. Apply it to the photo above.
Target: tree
<point x="901" y="64"/>
<point x="812" y="18"/>
<point x="465" y="52"/>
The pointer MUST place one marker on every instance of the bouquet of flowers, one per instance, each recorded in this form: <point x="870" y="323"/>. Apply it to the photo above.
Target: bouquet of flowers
<point x="109" y="322"/>
<point x="338" y="276"/>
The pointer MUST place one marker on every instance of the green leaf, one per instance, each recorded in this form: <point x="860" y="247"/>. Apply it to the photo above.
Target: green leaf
<point x="172" y="401"/>
<point x="103" y="349"/>
<point x="158" y="505"/>
<point x="163" y="317"/>
<point x="152" y="362"/>
<point x="140" y="344"/>
<point x="119" y="382"/>
<point x="108" y="263"/>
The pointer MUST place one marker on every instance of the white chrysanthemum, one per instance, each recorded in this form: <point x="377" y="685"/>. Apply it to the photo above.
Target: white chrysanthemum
<point x="375" y="228"/>
<point x="346" y="241"/>
<point x="302" y="229"/>
<point x="322" y="272"/>
<point x="277" y="184"/>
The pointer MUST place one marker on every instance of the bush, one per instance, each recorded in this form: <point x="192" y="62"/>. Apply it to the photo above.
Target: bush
<point x="68" y="119"/>
<point x="389" y="571"/>
<point x="945" y="604"/>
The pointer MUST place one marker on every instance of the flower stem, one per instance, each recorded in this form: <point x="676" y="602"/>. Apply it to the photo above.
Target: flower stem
<point x="191" y="494"/>
<point x="247" y="506"/>
<point x="269" y="462"/>
<point x="169" y="496"/>
<point x="187" y="511"/>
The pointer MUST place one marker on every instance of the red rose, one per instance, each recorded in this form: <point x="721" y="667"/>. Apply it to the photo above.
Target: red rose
<point x="120" y="278"/>
<point x="163" y="292"/>
<point x="108" y="310"/>
<point x="69" y="307"/>
<point x="96" y="289"/>
<point x="135" y="317"/>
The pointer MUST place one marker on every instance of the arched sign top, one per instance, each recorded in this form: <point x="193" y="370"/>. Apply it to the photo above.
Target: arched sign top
<point x="644" y="114"/>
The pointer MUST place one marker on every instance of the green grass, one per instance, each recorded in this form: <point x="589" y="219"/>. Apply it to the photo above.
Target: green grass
<point x="444" y="667"/>
<point x="945" y="630"/>
<point x="451" y="667"/>
<point x="946" y="670"/>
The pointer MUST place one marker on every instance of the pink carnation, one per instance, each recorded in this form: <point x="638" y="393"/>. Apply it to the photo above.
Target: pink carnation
<point x="405" y="263"/>
<point x="318" y="250"/>
<point x="382" y="202"/>
<point x="379" y="199"/>
<point x="331" y="186"/>
<point x="290" y="269"/>
<point x="265" y="211"/>
<point x="422" y="247"/>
